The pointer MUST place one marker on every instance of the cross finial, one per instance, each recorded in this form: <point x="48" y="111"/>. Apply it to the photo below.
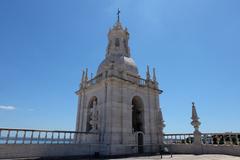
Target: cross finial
<point x="193" y="103"/>
<point x="118" y="15"/>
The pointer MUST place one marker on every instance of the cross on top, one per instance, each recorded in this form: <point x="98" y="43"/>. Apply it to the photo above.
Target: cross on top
<point x="118" y="14"/>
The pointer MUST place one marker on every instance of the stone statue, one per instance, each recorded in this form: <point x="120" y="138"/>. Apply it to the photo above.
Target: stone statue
<point x="94" y="117"/>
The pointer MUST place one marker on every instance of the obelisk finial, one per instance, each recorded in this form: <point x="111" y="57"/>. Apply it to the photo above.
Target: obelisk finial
<point x="118" y="15"/>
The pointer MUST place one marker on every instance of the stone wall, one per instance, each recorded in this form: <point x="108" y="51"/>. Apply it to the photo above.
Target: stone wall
<point x="57" y="150"/>
<point x="204" y="149"/>
<point x="46" y="150"/>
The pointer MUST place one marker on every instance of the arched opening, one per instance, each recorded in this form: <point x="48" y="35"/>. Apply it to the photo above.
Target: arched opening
<point x="92" y="115"/>
<point x="137" y="114"/>
<point x="117" y="42"/>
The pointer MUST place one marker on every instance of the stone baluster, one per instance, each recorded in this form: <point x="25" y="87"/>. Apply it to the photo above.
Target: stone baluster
<point x="209" y="139"/>
<point x="24" y="137"/>
<point x="192" y="138"/>
<point x="7" y="138"/>
<point x="16" y="137"/>
<point x="31" y="138"/>
<point x="185" y="141"/>
<point x="45" y="139"/>
<point x="70" y="138"/>
<point x="237" y="140"/>
<point x="75" y="139"/>
<point x="58" y="139"/>
<point x="64" y="137"/>
<point x="52" y="137"/>
<point x="224" y="139"/>
<point x="39" y="136"/>
<point x="218" y="139"/>
<point x="230" y="139"/>
<point x="205" y="139"/>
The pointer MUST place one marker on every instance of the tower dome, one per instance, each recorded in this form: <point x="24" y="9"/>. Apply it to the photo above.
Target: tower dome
<point x="117" y="52"/>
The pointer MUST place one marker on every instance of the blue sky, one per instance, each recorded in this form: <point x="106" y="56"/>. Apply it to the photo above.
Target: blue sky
<point x="194" y="45"/>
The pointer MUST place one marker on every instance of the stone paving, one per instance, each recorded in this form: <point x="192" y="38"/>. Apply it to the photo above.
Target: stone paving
<point x="186" y="157"/>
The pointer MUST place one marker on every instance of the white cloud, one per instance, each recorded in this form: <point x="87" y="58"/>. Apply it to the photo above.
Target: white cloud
<point x="5" y="107"/>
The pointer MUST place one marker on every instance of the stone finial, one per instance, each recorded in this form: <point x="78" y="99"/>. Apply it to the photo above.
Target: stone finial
<point x="154" y="75"/>
<point x="82" y="81"/>
<point x="86" y="76"/>
<point x="196" y="123"/>
<point x="195" y="119"/>
<point x="147" y="73"/>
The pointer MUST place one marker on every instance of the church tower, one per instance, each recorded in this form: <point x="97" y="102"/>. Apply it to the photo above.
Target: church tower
<point x="117" y="107"/>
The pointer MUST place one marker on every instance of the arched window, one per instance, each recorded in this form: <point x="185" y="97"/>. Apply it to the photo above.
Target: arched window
<point x="92" y="115"/>
<point x="137" y="114"/>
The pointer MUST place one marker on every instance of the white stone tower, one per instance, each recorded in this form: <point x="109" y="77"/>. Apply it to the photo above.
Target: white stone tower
<point x="119" y="106"/>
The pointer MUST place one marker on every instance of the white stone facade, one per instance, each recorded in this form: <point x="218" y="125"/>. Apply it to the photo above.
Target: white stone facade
<point x="117" y="104"/>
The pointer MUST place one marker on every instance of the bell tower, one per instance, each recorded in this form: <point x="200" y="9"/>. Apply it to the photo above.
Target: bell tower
<point x="117" y="107"/>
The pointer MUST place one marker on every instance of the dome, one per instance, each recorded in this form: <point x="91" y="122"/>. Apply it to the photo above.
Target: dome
<point x="121" y="63"/>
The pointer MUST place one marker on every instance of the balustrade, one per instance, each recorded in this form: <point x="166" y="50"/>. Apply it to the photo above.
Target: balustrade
<point x="94" y="80"/>
<point x="29" y="136"/>
<point x="206" y="138"/>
